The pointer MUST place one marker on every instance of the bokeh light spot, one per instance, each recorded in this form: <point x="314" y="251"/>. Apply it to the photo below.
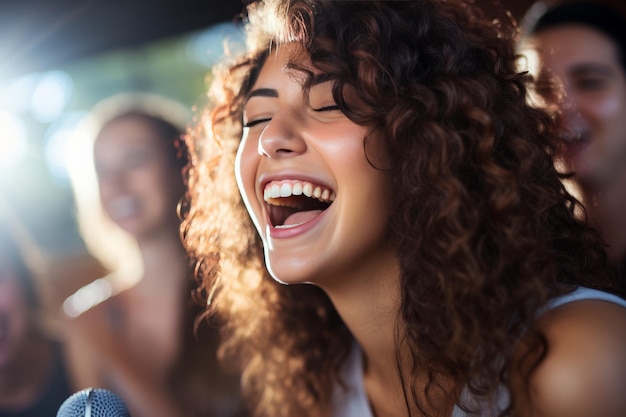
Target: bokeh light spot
<point x="51" y="96"/>
<point x="13" y="141"/>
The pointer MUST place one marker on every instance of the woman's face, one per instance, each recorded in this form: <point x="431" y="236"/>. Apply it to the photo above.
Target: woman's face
<point x="319" y="206"/>
<point x="139" y="185"/>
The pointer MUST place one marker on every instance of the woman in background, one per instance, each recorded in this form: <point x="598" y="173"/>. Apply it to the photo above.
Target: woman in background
<point x="33" y="374"/>
<point x="403" y="189"/>
<point x="140" y="339"/>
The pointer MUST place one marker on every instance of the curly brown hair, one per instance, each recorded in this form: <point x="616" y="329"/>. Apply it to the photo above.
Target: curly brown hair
<point x="479" y="213"/>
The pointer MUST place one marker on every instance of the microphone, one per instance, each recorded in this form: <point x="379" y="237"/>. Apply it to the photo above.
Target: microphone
<point x="93" y="402"/>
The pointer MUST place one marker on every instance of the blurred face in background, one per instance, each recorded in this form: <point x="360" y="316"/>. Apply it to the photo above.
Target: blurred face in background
<point x="580" y="77"/>
<point x="139" y="182"/>
<point x="15" y="315"/>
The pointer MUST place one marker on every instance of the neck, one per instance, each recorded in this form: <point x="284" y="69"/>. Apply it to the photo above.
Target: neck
<point x="369" y="303"/>
<point x="368" y="300"/>
<point x="370" y="312"/>
<point x="164" y="259"/>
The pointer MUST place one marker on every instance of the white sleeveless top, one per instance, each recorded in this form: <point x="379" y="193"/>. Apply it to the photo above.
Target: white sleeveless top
<point x="352" y="401"/>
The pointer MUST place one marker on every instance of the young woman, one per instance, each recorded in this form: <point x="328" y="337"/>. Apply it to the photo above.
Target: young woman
<point x="142" y="340"/>
<point x="403" y="189"/>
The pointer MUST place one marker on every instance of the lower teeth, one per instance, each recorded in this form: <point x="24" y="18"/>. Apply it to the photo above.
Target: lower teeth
<point x="287" y="226"/>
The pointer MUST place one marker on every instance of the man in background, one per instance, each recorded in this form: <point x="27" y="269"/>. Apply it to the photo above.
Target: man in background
<point x="581" y="76"/>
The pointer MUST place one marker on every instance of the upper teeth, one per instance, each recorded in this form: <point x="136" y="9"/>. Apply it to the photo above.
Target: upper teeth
<point x="572" y="136"/>
<point x="277" y="189"/>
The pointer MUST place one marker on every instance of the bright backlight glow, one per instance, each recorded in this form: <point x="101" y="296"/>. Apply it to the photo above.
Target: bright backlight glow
<point x="13" y="141"/>
<point x="51" y="96"/>
<point x="87" y="297"/>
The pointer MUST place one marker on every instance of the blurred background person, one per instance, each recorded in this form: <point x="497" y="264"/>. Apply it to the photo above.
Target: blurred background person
<point x="33" y="377"/>
<point x="134" y="331"/>
<point x="581" y="76"/>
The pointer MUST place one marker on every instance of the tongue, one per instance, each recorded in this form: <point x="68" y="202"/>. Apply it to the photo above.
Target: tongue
<point x="301" y="217"/>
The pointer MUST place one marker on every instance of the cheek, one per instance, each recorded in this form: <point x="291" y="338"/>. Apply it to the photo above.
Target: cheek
<point x="155" y="187"/>
<point x="604" y="109"/>
<point x="608" y="121"/>
<point x="108" y="191"/>
<point x="104" y="189"/>
<point x="347" y="151"/>
<point x="151" y="177"/>
<point x="610" y="107"/>
<point x="246" y="163"/>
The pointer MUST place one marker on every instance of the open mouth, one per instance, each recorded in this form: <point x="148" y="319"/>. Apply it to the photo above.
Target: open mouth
<point x="123" y="207"/>
<point x="574" y="137"/>
<point x="291" y="203"/>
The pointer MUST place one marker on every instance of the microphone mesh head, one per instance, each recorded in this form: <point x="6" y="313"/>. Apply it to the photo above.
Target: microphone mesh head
<point x="93" y="402"/>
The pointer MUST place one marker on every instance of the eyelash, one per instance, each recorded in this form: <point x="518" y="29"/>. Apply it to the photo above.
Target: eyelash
<point x="253" y="123"/>
<point x="327" y="108"/>
<point x="590" y="83"/>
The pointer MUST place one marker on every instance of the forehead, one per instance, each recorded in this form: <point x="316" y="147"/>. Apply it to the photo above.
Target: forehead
<point x="131" y="131"/>
<point x="278" y="63"/>
<point x="562" y="47"/>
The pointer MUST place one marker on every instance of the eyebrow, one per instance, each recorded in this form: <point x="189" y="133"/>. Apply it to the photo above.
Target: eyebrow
<point x="270" y="92"/>
<point x="262" y="92"/>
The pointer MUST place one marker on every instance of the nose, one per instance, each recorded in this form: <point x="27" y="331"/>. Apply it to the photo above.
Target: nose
<point x="572" y="121"/>
<point x="111" y="181"/>
<point x="282" y="137"/>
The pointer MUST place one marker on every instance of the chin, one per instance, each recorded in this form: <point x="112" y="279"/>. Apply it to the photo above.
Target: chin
<point x="289" y="272"/>
<point x="286" y="278"/>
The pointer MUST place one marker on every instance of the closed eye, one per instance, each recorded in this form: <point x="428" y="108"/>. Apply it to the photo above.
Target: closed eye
<point x="255" y="122"/>
<point x="333" y="107"/>
<point x="590" y="83"/>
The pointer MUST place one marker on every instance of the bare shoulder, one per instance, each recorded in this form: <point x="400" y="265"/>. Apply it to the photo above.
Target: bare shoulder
<point x="584" y="370"/>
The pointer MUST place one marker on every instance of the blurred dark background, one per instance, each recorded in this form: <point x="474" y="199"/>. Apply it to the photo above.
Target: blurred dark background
<point x="58" y="58"/>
